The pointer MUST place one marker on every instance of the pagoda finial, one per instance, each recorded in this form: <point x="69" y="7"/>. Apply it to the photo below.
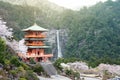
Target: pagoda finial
<point x="35" y="24"/>
<point x="34" y="16"/>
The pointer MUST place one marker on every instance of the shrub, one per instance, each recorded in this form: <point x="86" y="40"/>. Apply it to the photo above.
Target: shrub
<point x="14" y="72"/>
<point x="58" y="62"/>
<point x="2" y="50"/>
<point x="14" y="60"/>
<point x="69" y="72"/>
<point x="32" y="61"/>
<point x="30" y="75"/>
<point x="22" y="79"/>
<point x="26" y="67"/>
<point x="72" y="74"/>
<point x="38" y="68"/>
<point x="77" y="75"/>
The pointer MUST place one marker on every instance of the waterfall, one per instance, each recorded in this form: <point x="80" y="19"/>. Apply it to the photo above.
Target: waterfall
<point x="58" y="46"/>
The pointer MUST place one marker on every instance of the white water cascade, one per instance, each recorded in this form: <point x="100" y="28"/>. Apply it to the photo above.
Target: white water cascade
<point x="58" y="46"/>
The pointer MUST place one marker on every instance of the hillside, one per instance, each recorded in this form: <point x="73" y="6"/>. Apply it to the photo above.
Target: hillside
<point x="11" y="67"/>
<point x="36" y="3"/>
<point x="93" y="33"/>
<point x="22" y="16"/>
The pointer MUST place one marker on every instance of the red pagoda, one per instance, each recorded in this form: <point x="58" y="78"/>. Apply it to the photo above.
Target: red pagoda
<point x="35" y="41"/>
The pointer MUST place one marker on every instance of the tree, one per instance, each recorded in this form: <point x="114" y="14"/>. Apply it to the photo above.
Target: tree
<point x="22" y="47"/>
<point x="2" y="50"/>
<point x="4" y="30"/>
<point x="94" y="34"/>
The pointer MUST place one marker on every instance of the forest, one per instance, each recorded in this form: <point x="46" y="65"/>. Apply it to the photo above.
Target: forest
<point x="93" y="33"/>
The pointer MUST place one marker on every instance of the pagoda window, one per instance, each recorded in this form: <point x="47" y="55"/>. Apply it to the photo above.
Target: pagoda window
<point x="32" y="33"/>
<point x="29" y="50"/>
<point x="30" y="41"/>
<point x="33" y="51"/>
<point x="37" y="33"/>
<point x="38" y="53"/>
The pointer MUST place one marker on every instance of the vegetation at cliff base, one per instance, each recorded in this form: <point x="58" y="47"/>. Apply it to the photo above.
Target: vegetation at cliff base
<point x="11" y="67"/>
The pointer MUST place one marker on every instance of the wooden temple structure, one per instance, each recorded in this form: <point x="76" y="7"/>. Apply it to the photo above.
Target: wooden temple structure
<point x="35" y="41"/>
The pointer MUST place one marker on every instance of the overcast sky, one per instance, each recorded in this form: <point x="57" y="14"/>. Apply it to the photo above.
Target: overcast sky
<point x="75" y="4"/>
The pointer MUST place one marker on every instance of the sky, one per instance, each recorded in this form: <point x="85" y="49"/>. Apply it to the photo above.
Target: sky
<point x="75" y="4"/>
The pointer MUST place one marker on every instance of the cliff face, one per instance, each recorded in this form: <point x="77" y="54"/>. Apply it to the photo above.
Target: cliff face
<point x="52" y="39"/>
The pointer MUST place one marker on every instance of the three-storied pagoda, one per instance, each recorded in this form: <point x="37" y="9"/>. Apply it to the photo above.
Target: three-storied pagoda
<point x="34" y="40"/>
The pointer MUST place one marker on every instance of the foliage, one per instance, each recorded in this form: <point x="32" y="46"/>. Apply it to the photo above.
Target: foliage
<point x="77" y="75"/>
<point x="2" y="45"/>
<point x="18" y="18"/>
<point x="22" y="79"/>
<point x="3" y="74"/>
<point x="32" y="61"/>
<point x="14" y="60"/>
<point x="38" y="69"/>
<point x="13" y="72"/>
<point x="13" y="66"/>
<point x="25" y="66"/>
<point x="72" y="74"/>
<point x="2" y="50"/>
<point x="22" y="73"/>
<point x="69" y="72"/>
<point x="57" y="64"/>
<point x="94" y="34"/>
<point x="30" y="76"/>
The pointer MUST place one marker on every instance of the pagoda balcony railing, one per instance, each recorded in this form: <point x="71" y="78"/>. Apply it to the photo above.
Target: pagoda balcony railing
<point x="35" y="36"/>
<point x="35" y="44"/>
<point x="40" y="55"/>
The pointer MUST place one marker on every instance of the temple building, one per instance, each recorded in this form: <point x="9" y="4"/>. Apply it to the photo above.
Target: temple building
<point x="35" y="38"/>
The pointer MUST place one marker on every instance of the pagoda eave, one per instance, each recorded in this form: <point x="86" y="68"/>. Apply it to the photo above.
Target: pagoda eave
<point x="25" y="30"/>
<point x="38" y="46"/>
<point x="35" y="27"/>
<point x="45" y="55"/>
<point x="35" y="39"/>
<point x="28" y="56"/>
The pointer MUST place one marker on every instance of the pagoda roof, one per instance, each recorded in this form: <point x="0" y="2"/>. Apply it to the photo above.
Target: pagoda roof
<point x="35" y="27"/>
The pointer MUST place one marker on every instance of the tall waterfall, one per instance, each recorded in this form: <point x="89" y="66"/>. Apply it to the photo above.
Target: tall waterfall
<point x="58" y="45"/>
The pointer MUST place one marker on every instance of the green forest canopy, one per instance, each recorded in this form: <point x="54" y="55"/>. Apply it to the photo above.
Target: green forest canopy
<point x="93" y="32"/>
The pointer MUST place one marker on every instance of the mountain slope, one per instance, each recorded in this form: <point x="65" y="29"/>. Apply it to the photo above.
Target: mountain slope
<point x="22" y="16"/>
<point x="95" y="34"/>
<point x="36" y="3"/>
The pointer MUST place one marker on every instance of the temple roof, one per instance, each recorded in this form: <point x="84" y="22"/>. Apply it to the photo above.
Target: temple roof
<point x="35" y="27"/>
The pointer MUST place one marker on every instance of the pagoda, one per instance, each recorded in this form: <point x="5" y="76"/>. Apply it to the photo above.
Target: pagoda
<point x="35" y="41"/>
